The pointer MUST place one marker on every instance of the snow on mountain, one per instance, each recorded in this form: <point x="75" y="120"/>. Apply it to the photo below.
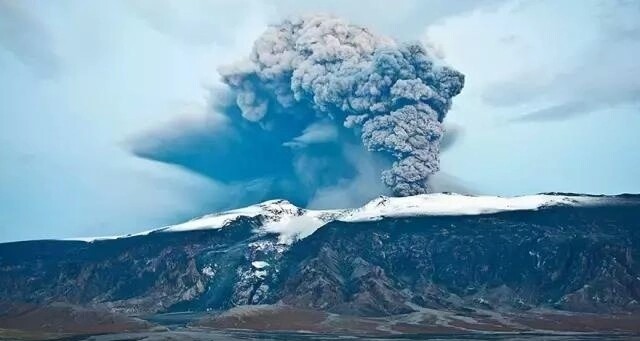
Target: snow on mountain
<point x="292" y="223"/>
<point x="456" y="204"/>
<point x="278" y="216"/>
<point x="259" y="264"/>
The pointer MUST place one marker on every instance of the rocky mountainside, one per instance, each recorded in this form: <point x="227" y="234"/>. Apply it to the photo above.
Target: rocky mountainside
<point x="393" y="256"/>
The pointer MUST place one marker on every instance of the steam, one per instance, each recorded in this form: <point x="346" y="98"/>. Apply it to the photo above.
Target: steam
<point x="395" y="96"/>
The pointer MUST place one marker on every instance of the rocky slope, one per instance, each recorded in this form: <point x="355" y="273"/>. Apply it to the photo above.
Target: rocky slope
<point x="395" y="256"/>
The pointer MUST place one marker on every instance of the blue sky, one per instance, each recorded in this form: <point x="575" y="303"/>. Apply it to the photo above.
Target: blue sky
<point x="551" y="102"/>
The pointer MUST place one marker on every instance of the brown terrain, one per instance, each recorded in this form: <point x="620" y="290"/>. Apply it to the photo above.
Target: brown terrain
<point x="425" y="321"/>
<point x="61" y="321"/>
<point x="56" y="320"/>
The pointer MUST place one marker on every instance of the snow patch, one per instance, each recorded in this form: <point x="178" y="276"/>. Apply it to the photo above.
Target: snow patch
<point x="208" y="271"/>
<point x="292" y="223"/>
<point x="292" y="228"/>
<point x="259" y="264"/>
<point x="454" y="204"/>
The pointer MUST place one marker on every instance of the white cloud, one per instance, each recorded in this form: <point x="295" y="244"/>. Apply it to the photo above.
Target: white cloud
<point x="24" y="35"/>
<point x="548" y="59"/>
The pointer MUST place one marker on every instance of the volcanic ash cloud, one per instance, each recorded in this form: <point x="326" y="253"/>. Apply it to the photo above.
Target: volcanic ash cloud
<point x="395" y="96"/>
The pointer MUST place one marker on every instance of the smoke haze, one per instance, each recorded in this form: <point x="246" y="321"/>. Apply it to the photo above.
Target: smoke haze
<point x="315" y="100"/>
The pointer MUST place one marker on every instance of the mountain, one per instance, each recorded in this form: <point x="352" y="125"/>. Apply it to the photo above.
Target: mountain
<point x="428" y="263"/>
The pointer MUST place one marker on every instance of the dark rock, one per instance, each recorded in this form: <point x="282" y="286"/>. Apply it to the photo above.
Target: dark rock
<point x="583" y="259"/>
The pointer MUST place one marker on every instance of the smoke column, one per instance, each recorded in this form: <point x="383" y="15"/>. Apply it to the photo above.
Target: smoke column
<point x="394" y="95"/>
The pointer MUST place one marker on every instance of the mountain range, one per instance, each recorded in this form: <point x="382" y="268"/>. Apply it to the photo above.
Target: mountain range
<point x="434" y="263"/>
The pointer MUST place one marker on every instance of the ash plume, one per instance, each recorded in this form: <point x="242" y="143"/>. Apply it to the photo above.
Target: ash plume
<point x="318" y="69"/>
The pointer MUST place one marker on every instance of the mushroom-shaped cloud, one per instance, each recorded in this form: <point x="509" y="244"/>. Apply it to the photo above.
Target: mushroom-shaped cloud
<point x="395" y="96"/>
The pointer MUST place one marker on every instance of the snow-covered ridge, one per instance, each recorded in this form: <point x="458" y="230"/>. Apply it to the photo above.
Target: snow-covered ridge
<point x="292" y="223"/>
<point x="277" y="216"/>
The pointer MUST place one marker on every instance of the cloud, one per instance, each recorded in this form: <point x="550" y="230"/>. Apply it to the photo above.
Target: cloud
<point x="556" y="69"/>
<point x="443" y="182"/>
<point x="556" y="112"/>
<point x="452" y="133"/>
<point x="232" y="151"/>
<point x="24" y="35"/>
<point x="602" y="74"/>
<point x="603" y="77"/>
<point x="353" y="191"/>
<point x="312" y="88"/>
<point x="408" y="20"/>
<point x="202" y="22"/>
<point x="395" y="95"/>
<point x="319" y="132"/>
